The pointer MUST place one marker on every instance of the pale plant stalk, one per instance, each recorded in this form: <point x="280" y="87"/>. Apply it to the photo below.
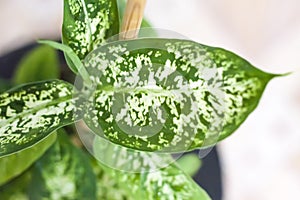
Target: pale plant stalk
<point x="132" y="19"/>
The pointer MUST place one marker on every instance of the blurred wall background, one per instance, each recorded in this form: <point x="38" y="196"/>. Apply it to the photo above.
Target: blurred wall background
<point x="261" y="160"/>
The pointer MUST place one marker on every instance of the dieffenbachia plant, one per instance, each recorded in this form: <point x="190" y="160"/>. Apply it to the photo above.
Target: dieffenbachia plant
<point x="147" y="94"/>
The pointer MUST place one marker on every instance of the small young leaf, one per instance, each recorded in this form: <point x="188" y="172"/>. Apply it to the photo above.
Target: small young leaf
<point x="170" y="95"/>
<point x="31" y="112"/>
<point x="39" y="64"/>
<point x="64" y="172"/>
<point x="87" y="23"/>
<point x="14" y="164"/>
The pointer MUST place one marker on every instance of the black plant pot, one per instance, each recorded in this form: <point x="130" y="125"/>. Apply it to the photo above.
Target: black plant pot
<point x="208" y="176"/>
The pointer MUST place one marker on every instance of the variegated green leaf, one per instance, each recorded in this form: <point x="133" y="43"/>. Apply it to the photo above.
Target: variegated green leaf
<point x="107" y="186"/>
<point x="128" y="160"/>
<point x="39" y="64"/>
<point x="87" y="23"/>
<point x="31" y="112"/>
<point x="170" y="95"/>
<point x="165" y="184"/>
<point x="14" y="164"/>
<point x="64" y="172"/>
<point x="151" y="183"/>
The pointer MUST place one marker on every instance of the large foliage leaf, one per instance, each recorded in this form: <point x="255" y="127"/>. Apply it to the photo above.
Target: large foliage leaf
<point x="151" y="182"/>
<point x="31" y="112"/>
<point x="14" y="164"/>
<point x="87" y="23"/>
<point x="170" y="95"/>
<point x="39" y="64"/>
<point x="107" y="186"/>
<point x="64" y="172"/>
<point x="165" y="184"/>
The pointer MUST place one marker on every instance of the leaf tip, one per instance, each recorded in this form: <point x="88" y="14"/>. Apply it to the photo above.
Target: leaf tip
<point x="281" y="75"/>
<point x="41" y="41"/>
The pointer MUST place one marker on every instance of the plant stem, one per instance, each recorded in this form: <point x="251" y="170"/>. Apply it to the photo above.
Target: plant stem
<point x="132" y="19"/>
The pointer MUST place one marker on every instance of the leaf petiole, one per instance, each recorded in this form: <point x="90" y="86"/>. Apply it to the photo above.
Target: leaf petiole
<point x="73" y="57"/>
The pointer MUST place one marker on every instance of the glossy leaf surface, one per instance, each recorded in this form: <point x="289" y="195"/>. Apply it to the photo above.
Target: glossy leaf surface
<point x="165" y="184"/>
<point x="14" y="164"/>
<point x="87" y="23"/>
<point x="107" y="186"/>
<point x="64" y="172"/>
<point x="31" y="112"/>
<point x="170" y="95"/>
<point x="38" y="64"/>
<point x="151" y="182"/>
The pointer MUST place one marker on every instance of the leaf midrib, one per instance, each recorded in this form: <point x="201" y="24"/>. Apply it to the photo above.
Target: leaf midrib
<point x="88" y="24"/>
<point x="143" y="89"/>
<point x="35" y="109"/>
